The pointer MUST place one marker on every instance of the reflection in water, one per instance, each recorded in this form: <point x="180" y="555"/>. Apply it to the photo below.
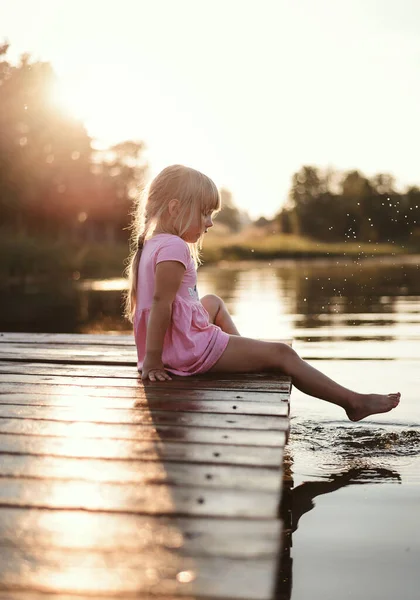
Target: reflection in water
<point x="224" y="281"/>
<point x="337" y="455"/>
<point x="300" y="500"/>
<point x="304" y="494"/>
<point x="64" y="308"/>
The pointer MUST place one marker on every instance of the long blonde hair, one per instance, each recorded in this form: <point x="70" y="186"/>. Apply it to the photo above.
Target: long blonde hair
<point x="193" y="190"/>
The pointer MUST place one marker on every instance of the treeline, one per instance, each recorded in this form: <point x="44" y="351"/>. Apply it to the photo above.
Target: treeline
<point x="53" y="183"/>
<point x="331" y="206"/>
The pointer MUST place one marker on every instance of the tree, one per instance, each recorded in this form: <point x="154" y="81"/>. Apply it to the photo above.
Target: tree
<point x="44" y="154"/>
<point x="52" y="182"/>
<point x="229" y="214"/>
<point x="311" y="206"/>
<point x="119" y="172"/>
<point x="356" y="195"/>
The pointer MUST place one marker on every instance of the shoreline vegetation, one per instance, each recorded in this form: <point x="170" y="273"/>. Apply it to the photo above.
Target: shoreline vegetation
<point x="27" y="258"/>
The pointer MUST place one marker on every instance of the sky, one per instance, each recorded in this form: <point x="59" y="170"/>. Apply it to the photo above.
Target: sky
<point x="246" y="91"/>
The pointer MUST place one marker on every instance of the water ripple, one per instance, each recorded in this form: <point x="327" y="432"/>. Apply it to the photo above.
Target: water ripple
<point x="349" y="441"/>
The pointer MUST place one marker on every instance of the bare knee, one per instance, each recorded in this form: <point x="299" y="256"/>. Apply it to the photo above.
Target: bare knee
<point x="286" y="357"/>
<point x="213" y="304"/>
<point x="212" y="300"/>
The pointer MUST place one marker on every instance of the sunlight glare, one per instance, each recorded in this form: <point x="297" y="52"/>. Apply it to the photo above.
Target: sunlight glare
<point x="99" y="104"/>
<point x="72" y="100"/>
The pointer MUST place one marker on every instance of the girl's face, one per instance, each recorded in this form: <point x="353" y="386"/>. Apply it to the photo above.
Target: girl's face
<point x="201" y="222"/>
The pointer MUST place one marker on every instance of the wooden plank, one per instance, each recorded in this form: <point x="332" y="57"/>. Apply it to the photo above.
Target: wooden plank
<point x="73" y="370"/>
<point x="135" y="392"/>
<point x="140" y="472"/>
<point x="61" y="572"/>
<point x="129" y="372"/>
<point x="160" y="433"/>
<point x="48" y="368"/>
<point x="145" y="499"/>
<point x="115" y="537"/>
<point x="191" y="383"/>
<point x="169" y="387"/>
<point x="108" y="532"/>
<point x="229" y="404"/>
<point x="111" y="377"/>
<point x="143" y="417"/>
<point x="147" y="450"/>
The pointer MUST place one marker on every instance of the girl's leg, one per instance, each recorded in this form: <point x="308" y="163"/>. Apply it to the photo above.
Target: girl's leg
<point x="219" y="314"/>
<point x="245" y="355"/>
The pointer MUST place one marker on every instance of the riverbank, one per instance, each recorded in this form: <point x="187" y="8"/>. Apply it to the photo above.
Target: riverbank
<point x="27" y="258"/>
<point x="258" y="244"/>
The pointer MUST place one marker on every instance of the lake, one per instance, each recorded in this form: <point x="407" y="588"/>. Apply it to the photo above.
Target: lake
<point x="352" y="490"/>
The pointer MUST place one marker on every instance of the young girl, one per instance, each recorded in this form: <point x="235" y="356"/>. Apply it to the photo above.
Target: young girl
<point x="178" y="333"/>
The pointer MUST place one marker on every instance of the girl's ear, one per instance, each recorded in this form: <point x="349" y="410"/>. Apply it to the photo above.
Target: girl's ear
<point x="173" y="207"/>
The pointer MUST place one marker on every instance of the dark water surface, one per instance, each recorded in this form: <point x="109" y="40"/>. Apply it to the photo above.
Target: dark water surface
<point x="353" y="490"/>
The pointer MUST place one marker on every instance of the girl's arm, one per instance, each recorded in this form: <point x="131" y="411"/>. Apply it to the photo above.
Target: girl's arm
<point x="168" y="278"/>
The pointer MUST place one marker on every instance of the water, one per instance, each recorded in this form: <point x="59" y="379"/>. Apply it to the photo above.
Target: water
<point x="352" y="491"/>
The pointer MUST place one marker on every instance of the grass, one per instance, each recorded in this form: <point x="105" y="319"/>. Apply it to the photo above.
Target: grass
<point x="254" y="245"/>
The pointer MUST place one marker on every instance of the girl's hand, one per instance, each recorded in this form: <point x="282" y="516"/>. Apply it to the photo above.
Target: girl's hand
<point x="154" y="371"/>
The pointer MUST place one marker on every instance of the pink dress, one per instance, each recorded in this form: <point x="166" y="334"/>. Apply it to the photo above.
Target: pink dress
<point x="192" y="344"/>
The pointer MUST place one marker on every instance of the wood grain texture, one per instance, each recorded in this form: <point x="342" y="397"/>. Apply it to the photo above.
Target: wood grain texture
<point x="142" y="417"/>
<point x="109" y="532"/>
<point x="209" y="392"/>
<point x="139" y="449"/>
<point x="187" y="383"/>
<point x="73" y="431"/>
<point x="158" y="573"/>
<point x="229" y="403"/>
<point x="235" y="477"/>
<point x="115" y="371"/>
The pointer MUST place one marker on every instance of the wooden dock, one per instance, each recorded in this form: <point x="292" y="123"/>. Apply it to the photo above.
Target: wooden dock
<point x="111" y="488"/>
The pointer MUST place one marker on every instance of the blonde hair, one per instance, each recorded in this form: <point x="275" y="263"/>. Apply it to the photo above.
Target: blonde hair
<point x="194" y="192"/>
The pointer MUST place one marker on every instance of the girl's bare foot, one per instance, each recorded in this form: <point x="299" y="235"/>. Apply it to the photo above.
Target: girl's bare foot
<point x="370" y="404"/>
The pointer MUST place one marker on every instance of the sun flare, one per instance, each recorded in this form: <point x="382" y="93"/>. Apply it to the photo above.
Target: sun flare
<point x="100" y="105"/>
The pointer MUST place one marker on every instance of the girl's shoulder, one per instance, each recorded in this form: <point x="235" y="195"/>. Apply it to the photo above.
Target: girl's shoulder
<point x="167" y="246"/>
<point x="167" y="240"/>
